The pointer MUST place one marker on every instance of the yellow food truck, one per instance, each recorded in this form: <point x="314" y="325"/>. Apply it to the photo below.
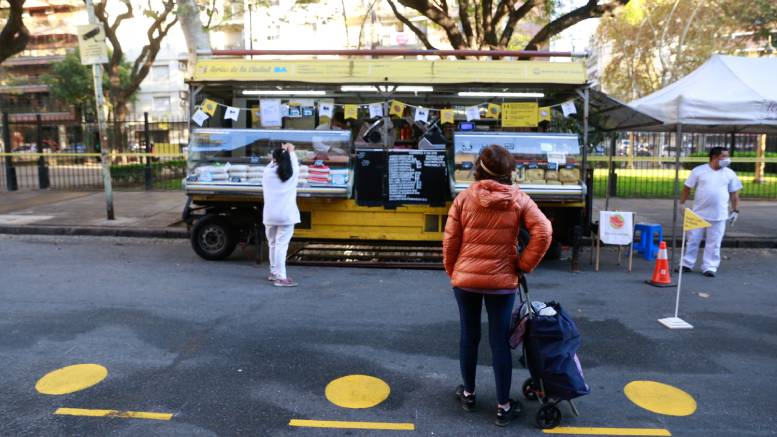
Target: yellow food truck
<point x="384" y="144"/>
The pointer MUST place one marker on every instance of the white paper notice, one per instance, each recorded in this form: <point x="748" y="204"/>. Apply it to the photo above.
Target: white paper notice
<point x="326" y="109"/>
<point x="231" y="113"/>
<point x="376" y="110"/>
<point x="560" y="158"/>
<point x="422" y="114"/>
<point x="616" y="227"/>
<point x="199" y="117"/>
<point x="568" y="108"/>
<point x="270" y="112"/>
<point x="473" y="113"/>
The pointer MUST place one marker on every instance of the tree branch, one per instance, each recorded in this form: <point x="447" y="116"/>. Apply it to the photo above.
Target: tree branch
<point x="419" y="33"/>
<point x="440" y="18"/>
<point x="466" y="24"/>
<point x="514" y="17"/>
<point x="155" y="34"/>
<point x="590" y="10"/>
<point x="15" y="35"/>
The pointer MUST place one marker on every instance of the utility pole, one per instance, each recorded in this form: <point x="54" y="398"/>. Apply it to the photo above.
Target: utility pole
<point x="97" y="72"/>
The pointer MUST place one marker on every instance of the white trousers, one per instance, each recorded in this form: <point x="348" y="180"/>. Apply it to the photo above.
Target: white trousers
<point x="712" y="236"/>
<point x="278" y="238"/>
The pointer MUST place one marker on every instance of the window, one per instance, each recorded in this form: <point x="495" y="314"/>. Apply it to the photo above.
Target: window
<point x="161" y="104"/>
<point x="160" y="72"/>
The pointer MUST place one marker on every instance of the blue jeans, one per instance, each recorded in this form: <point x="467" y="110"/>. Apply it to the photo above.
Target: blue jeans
<point x="499" y="308"/>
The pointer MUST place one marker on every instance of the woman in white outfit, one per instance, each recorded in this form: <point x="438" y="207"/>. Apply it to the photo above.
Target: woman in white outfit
<point x="280" y="214"/>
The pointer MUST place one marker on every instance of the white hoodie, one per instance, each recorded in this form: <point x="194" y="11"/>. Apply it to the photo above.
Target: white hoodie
<point x="280" y="198"/>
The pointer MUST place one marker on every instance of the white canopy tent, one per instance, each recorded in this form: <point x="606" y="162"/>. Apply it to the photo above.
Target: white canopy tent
<point x="727" y="94"/>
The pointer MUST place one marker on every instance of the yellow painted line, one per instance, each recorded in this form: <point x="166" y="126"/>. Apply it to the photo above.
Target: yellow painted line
<point x="71" y="379"/>
<point x="352" y="425"/>
<point x="113" y="413"/>
<point x="608" y="431"/>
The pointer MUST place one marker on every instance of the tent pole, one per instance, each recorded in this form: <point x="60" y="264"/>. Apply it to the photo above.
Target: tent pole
<point x="678" y="145"/>
<point x="611" y="187"/>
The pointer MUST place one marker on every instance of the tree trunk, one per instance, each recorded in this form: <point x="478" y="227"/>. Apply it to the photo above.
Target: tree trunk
<point x="197" y="40"/>
<point x="14" y="34"/>
<point x="760" y="153"/>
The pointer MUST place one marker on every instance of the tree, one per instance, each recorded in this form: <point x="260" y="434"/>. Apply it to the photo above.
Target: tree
<point x="162" y="16"/>
<point x="14" y="35"/>
<point x="482" y="24"/>
<point x="656" y="42"/>
<point x="71" y="82"/>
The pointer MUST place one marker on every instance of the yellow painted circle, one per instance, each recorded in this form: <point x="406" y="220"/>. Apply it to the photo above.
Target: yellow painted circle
<point x="660" y="398"/>
<point x="71" y="379"/>
<point x="357" y="391"/>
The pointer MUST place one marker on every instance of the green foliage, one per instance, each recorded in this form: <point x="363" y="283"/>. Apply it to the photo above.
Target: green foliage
<point x="166" y="174"/>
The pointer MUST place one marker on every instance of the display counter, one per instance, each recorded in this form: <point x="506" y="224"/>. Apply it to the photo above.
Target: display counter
<point x="233" y="161"/>
<point x="546" y="165"/>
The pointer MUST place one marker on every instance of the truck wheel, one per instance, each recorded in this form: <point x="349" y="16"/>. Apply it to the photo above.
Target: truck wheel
<point x="213" y="238"/>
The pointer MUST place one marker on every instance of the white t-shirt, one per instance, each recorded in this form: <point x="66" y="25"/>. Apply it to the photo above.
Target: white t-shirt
<point x="280" y="198"/>
<point x="712" y="191"/>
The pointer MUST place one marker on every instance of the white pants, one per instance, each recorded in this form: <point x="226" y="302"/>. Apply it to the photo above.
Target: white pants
<point x="712" y="236"/>
<point x="278" y="238"/>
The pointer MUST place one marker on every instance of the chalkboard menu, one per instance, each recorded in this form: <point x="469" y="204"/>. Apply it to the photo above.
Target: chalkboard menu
<point x="370" y="176"/>
<point x="417" y="176"/>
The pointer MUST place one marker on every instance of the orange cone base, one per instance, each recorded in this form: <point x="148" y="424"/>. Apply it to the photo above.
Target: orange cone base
<point x="660" y="284"/>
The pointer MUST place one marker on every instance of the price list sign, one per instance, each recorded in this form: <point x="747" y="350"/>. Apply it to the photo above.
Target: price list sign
<point x="417" y="176"/>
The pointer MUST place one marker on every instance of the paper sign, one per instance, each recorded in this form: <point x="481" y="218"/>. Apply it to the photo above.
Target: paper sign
<point x="544" y="113"/>
<point x="616" y="227"/>
<point x="421" y="114"/>
<point x="231" y="113"/>
<point x="199" y="117"/>
<point x="270" y="112"/>
<point x="692" y="221"/>
<point x="558" y="158"/>
<point x="397" y="108"/>
<point x="326" y="109"/>
<point x="255" y="118"/>
<point x="351" y="112"/>
<point x="91" y="44"/>
<point x="376" y="110"/>
<point x="493" y="111"/>
<point x="519" y="114"/>
<point x="446" y="116"/>
<point x="568" y="108"/>
<point x="473" y="113"/>
<point x="209" y="107"/>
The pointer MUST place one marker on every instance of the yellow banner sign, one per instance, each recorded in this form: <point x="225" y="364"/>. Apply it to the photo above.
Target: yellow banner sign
<point x="493" y="110"/>
<point x="446" y="116"/>
<point x="209" y="107"/>
<point x="351" y="112"/>
<point x="397" y="108"/>
<point x="545" y="113"/>
<point x="346" y="71"/>
<point x="693" y="221"/>
<point x="523" y="114"/>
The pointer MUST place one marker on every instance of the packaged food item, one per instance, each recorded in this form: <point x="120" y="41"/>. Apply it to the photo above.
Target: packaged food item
<point x="551" y="175"/>
<point x="569" y="175"/>
<point x="535" y="174"/>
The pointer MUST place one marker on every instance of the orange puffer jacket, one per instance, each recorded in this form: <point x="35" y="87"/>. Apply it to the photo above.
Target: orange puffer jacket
<point x="479" y="247"/>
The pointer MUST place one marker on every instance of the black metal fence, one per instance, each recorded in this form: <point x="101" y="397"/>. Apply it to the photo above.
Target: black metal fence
<point x="143" y="155"/>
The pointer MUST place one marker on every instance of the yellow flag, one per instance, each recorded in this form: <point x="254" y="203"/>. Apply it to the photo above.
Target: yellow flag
<point x="446" y="116"/>
<point x="397" y="108"/>
<point x="209" y="107"/>
<point x="493" y="110"/>
<point x="544" y="113"/>
<point x="692" y="221"/>
<point x="351" y="112"/>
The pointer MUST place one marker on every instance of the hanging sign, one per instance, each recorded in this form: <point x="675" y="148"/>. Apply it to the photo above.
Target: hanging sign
<point x="270" y="112"/>
<point x="519" y="114"/>
<point x="545" y="113"/>
<point x="473" y="113"/>
<point x="397" y="108"/>
<point x="446" y="116"/>
<point x="231" y="113"/>
<point x="568" y="108"/>
<point x="376" y="110"/>
<point x="326" y="109"/>
<point x="199" y="117"/>
<point x="351" y="112"/>
<point x="91" y="44"/>
<point x="209" y="107"/>
<point x="493" y="110"/>
<point x="422" y="114"/>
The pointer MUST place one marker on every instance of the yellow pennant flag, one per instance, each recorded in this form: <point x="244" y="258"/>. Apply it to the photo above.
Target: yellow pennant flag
<point x="351" y="112"/>
<point x="692" y="221"/>
<point x="446" y="116"/>
<point x="397" y="108"/>
<point x="544" y="113"/>
<point x="209" y="107"/>
<point x="493" y="110"/>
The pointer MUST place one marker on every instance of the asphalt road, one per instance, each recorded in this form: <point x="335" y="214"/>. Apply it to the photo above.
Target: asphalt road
<point x="228" y="354"/>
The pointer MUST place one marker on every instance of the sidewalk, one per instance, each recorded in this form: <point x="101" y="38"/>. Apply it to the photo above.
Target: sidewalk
<point x="154" y="214"/>
<point x="158" y="214"/>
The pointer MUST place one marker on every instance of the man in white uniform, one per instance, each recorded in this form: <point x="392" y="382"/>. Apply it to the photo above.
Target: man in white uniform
<point x="715" y="185"/>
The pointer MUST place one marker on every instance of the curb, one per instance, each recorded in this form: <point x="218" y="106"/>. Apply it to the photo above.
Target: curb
<point x="729" y="243"/>
<point x="95" y="231"/>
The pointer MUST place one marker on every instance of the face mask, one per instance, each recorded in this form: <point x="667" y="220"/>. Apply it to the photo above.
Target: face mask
<point x="724" y="162"/>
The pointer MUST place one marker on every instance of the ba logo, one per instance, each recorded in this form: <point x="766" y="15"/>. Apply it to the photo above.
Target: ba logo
<point x="279" y="70"/>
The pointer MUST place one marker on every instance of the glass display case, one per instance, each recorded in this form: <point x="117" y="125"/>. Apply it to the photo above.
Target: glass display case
<point x="546" y="165"/>
<point x="233" y="161"/>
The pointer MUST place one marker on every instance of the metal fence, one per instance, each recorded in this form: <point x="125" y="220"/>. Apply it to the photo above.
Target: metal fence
<point x="143" y="155"/>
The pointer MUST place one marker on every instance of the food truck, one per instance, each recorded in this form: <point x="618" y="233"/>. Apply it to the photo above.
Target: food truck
<point x="384" y="145"/>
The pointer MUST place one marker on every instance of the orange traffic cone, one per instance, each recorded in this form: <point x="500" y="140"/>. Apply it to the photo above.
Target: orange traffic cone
<point x="661" y="276"/>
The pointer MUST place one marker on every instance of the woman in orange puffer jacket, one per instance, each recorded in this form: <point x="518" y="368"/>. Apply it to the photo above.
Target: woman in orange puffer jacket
<point x="480" y="256"/>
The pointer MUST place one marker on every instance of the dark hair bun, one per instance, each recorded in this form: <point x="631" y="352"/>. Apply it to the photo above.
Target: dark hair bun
<point x="496" y="163"/>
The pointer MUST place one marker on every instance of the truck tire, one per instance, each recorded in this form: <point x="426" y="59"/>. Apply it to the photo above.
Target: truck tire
<point x="213" y="238"/>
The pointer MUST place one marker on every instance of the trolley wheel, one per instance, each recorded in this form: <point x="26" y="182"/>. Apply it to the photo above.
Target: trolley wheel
<point x="528" y="390"/>
<point x="213" y="238"/>
<point x="549" y="416"/>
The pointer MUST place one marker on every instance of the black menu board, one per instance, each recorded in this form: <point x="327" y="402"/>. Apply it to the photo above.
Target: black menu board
<point x="370" y="174"/>
<point x="417" y="176"/>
